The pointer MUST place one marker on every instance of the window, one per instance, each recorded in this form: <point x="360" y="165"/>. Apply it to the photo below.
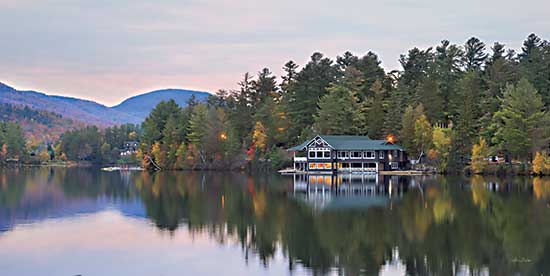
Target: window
<point x="319" y="154"/>
<point x="396" y="154"/>
<point x="328" y="166"/>
<point x="312" y="166"/>
<point x="343" y="154"/>
<point x="381" y="155"/>
<point x="326" y="154"/>
<point x="394" y="165"/>
<point x="311" y="154"/>
<point x="356" y="154"/>
<point x="369" y="154"/>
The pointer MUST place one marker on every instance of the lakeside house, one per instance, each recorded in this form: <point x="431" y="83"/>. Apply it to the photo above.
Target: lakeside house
<point x="346" y="153"/>
<point x="130" y="147"/>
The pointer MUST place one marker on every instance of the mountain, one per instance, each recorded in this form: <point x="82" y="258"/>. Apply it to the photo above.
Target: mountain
<point x="140" y="106"/>
<point x="38" y="125"/>
<point x="72" y="108"/>
<point x="133" y="110"/>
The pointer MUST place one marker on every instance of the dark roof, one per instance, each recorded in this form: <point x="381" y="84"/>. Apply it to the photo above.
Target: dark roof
<point x="348" y="142"/>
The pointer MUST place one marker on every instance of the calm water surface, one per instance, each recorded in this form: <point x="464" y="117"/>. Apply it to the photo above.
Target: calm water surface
<point x="88" y="222"/>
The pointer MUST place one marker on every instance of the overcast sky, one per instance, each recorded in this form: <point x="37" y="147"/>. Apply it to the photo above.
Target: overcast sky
<point x="107" y="50"/>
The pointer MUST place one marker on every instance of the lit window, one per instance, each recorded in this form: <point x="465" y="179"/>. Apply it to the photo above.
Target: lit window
<point x="328" y="166"/>
<point x="312" y="166"/>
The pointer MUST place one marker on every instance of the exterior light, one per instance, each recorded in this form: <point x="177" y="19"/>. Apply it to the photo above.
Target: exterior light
<point x="223" y="136"/>
<point x="390" y="138"/>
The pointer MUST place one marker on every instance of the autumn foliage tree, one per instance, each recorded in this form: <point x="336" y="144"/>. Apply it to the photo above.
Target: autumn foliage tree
<point x="480" y="152"/>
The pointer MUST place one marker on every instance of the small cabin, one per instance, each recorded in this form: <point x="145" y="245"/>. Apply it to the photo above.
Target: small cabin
<point x="346" y="153"/>
<point x="129" y="148"/>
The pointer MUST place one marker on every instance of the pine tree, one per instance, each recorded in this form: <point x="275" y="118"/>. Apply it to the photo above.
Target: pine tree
<point x="340" y="111"/>
<point x="535" y="65"/>
<point x="448" y="60"/>
<point x="392" y="120"/>
<point x="430" y="97"/>
<point x="311" y="84"/>
<point x="521" y="123"/>
<point x="289" y="77"/>
<point x="377" y="106"/>
<point x="198" y="130"/>
<point x="468" y="114"/>
<point x="474" y="54"/>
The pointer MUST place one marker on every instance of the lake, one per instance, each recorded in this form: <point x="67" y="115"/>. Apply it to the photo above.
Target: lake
<point x="56" y="221"/>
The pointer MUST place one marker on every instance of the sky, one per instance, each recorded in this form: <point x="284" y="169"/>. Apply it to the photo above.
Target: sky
<point x="106" y="50"/>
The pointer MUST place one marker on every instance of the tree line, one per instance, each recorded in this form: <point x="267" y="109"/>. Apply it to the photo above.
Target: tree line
<point x="442" y="102"/>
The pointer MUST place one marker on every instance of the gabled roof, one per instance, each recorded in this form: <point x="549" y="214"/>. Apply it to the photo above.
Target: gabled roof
<point x="350" y="142"/>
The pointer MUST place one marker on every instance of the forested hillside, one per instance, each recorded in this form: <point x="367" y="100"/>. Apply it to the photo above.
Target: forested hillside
<point x="445" y="99"/>
<point x="38" y="126"/>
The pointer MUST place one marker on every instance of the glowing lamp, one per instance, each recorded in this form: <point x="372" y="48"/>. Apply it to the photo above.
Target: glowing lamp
<point x="390" y="138"/>
<point x="223" y="136"/>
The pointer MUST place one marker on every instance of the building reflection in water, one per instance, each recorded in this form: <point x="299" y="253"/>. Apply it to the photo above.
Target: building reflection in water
<point x="341" y="191"/>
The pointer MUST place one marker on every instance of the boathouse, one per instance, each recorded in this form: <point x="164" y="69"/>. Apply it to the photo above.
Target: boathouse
<point x="345" y="153"/>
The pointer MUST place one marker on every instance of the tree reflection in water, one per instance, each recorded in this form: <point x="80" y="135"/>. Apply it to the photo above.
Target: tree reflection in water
<point x="430" y="226"/>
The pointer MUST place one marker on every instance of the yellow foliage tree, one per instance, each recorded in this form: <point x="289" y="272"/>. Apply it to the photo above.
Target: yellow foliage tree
<point x="480" y="152"/>
<point x="44" y="156"/>
<point x="158" y="154"/>
<point x="4" y="151"/>
<point x="540" y="163"/>
<point x="422" y="134"/>
<point x="259" y="136"/>
<point x="441" y="140"/>
<point x="63" y="157"/>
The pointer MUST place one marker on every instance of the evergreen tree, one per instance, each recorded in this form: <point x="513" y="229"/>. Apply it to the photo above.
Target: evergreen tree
<point x="154" y="124"/>
<point x="417" y="64"/>
<point x="468" y="113"/>
<point x="340" y="111"/>
<point x="311" y="84"/>
<point x="198" y="130"/>
<point x="447" y="72"/>
<point x="289" y="76"/>
<point x="535" y="65"/>
<point x="430" y="97"/>
<point x="521" y="124"/>
<point x="262" y="88"/>
<point x="376" y="111"/>
<point x="474" y="54"/>
<point x="393" y="118"/>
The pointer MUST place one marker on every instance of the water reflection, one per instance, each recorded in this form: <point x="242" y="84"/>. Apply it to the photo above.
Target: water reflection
<point x="347" y="224"/>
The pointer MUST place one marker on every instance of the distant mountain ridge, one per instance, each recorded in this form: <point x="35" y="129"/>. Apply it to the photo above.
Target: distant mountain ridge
<point x="141" y="105"/>
<point x="133" y="110"/>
